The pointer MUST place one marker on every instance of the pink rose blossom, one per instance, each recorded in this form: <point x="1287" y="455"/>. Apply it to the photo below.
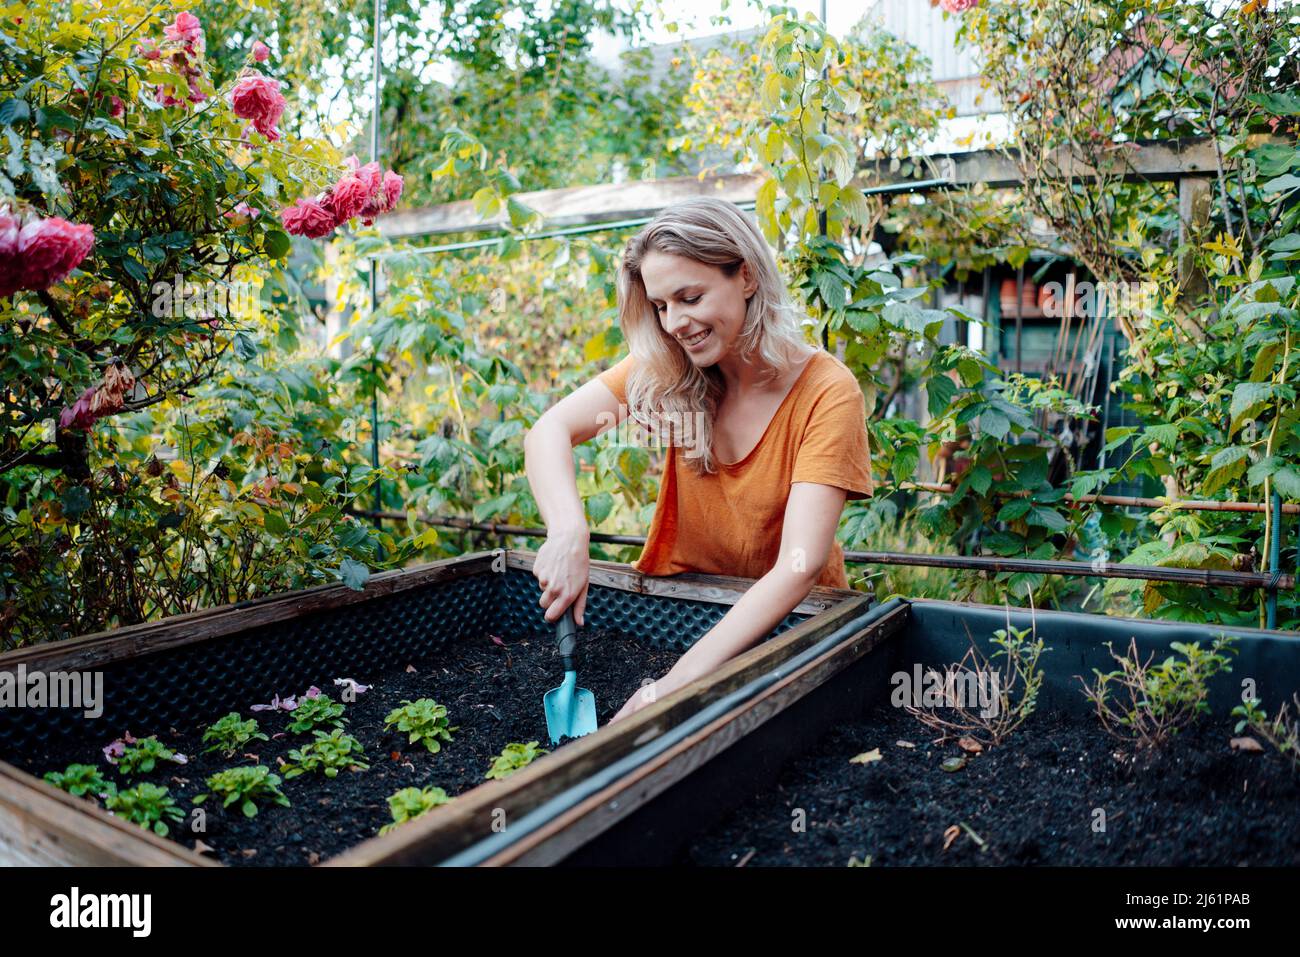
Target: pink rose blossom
<point x="958" y="6"/>
<point x="10" y="265"/>
<point x="258" y="98"/>
<point x="308" y="217"/>
<point x="242" y="214"/>
<point x="116" y="107"/>
<point x="261" y="52"/>
<point x="148" y="48"/>
<point x="350" y="196"/>
<point x="186" y="29"/>
<point x="50" y="249"/>
<point x="392" y="189"/>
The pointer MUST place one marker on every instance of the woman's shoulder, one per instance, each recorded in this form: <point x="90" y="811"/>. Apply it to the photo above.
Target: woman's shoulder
<point x="830" y="376"/>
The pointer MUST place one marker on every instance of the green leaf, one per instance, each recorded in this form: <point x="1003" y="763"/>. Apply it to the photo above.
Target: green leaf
<point x="244" y="347"/>
<point x="599" y="506"/>
<point x="939" y="392"/>
<point x="276" y="243"/>
<point x="354" y="574"/>
<point x="1286" y="482"/>
<point x="75" y="501"/>
<point x="904" y="464"/>
<point x="1248" y="400"/>
<point x="503" y="431"/>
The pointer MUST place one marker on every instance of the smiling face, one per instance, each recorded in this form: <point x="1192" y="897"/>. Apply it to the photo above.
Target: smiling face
<point x="698" y="305"/>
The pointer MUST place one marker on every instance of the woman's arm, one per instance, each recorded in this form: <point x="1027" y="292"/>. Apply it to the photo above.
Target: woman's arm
<point x="563" y="562"/>
<point x="812" y="514"/>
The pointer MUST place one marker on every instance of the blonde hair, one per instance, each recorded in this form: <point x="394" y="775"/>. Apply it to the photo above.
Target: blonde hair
<point x="664" y="384"/>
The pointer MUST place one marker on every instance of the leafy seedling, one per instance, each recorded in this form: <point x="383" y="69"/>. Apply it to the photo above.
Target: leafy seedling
<point x="424" y="720"/>
<point x="409" y="803"/>
<point x="147" y="805"/>
<point x="232" y="734"/>
<point x="513" y="757"/>
<point x="329" y="754"/>
<point x="246" y="785"/>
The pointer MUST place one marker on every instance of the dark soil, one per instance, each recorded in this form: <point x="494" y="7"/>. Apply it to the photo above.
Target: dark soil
<point x="493" y="695"/>
<point x="1031" y="801"/>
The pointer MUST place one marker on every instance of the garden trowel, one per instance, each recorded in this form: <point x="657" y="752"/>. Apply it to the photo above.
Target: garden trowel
<point x="570" y="710"/>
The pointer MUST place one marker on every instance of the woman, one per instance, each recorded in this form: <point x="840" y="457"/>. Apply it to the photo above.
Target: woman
<point x="766" y="435"/>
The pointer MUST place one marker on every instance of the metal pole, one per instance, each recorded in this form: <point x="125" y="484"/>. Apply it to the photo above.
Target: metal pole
<point x="1275" y="560"/>
<point x="821" y="213"/>
<point x="376" y="78"/>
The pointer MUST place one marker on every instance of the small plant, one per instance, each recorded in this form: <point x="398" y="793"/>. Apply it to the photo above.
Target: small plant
<point x="1150" y="703"/>
<point x="1283" y="732"/>
<point x="145" y="804"/>
<point x="424" y="720"/>
<point x="247" y="785"/>
<point x="143" y="756"/>
<point x="318" y="713"/>
<point x="231" y="734"/>
<point x="82" y="779"/>
<point x="328" y="753"/>
<point x="409" y="803"/>
<point x="512" y="758"/>
<point x="987" y="703"/>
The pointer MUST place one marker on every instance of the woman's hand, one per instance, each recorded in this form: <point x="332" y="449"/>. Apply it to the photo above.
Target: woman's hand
<point x="563" y="569"/>
<point x="649" y="694"/>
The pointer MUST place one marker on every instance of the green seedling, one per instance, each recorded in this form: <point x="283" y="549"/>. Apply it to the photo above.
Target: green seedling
<point x="230" y="734"/>
<point x="143" y="756"/>
<point x="315" y="714"/>
<point x="424" y="720"/>
<point x="147" y="805"/>
<point x="1282" y="732"/>
<point x="409" y="803"/>
<point x="513" y="757"/>
<point x="329" y="753"/>
<point x="81" y="779"/>
<point x="247" y="786"/>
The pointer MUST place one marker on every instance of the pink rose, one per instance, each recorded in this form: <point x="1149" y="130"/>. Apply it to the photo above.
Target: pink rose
<point x="261" y="52"/>
<point x="50" y="249"/>
<point x="242" y="214"/>
<point x="392" y="189"/>
<point x="258" y="98"/>
<point x="186" y="29"/>
<point x="10" y="265"/>
<point x="958" y="6"/>
<point x="116" y="107"/>
<point x="148" y="48"/>
<point x="349" y="197"/>
<point x="308" y="217"/>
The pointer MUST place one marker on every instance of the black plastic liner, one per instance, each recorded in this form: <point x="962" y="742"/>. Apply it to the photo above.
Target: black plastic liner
<point x="226" y="673"/>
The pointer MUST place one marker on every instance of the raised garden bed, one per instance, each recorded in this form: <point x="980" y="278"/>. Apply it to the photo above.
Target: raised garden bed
<point x="418" y="633"/>
<point x="780" y="757"/>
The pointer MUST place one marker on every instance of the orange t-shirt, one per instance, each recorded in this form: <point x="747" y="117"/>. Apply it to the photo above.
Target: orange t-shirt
<point x="729" y="523"/>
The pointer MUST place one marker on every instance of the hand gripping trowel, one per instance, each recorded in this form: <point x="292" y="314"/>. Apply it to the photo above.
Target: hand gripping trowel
<point x="570" y="710"/>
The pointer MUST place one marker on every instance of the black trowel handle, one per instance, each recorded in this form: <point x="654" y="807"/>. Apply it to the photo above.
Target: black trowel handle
<point x="566" y="636"/>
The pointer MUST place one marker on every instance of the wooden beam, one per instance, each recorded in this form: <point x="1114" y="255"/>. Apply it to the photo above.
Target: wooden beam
<point x="609" y="202"/>
<point x="576" y="205"/>
<point x="41" y="825"/>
